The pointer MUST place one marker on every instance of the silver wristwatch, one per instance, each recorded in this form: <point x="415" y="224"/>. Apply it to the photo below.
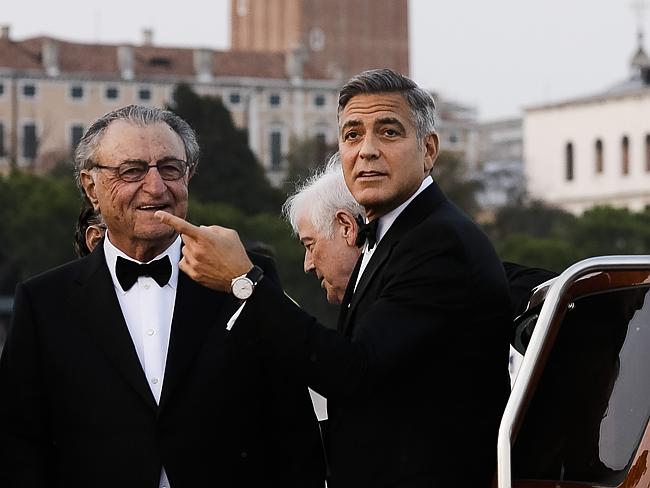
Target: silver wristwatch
<point x="243" y="286"/>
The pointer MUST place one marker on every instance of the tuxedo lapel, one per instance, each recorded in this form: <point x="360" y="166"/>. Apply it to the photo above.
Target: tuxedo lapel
<point x="196" y="311"/>
<point x="419" y="209"/>
<point x="347" y="296"/>
<point x="376" y="261"/>
<point x="98" y="311"/>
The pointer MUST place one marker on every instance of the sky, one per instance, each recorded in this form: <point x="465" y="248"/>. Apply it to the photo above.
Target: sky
<point x="499" y="56"/>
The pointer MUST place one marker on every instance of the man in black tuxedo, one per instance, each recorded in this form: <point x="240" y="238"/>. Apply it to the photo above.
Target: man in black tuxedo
<point x="118" y="373"/>
<point x="416" y="375"/>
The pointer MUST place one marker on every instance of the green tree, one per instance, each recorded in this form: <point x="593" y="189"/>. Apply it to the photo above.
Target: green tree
<point x="607" y="230"/>
<point x="228" y="171"/>
<point x="450" y="172"/>
<point x="38" y="215"/>
<point x="534" y="219"/>
<point x="548" y="253"/>
<point x="305" y="156"/>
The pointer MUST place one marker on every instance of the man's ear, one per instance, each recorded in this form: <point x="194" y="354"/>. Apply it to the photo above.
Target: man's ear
<point x="94" y="235"/>
<point x="347" y="226"/>
<point x="431" y="144"/>
<point x="88" y="184"/>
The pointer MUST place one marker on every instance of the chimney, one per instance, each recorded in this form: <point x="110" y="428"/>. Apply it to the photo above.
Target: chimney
<point x="203" y="65"/>
<point x="5" y="32"/>
<point x="125" y="61"/>
<point x="50" y="57"/>
<point x="147" y="37"/>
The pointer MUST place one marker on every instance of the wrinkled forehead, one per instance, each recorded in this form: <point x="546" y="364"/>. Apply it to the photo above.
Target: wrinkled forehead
<point x="370" y="106"/>
<point x="127" y="139"/>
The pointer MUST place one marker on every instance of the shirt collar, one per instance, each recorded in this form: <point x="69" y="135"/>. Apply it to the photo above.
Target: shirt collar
<point x="386" y="221"/>
<point x="173" y="251"/>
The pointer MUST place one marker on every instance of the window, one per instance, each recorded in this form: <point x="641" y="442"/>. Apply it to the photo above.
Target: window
<point x="76" y="133"/>
<point x="160" y="61"/>
<point x="112" y="93"/>
<point x="29" y="141"/>
<point x="647" y="152"/>
<point x="276" y="150"/>
<point x="274" y="100"/>
<point x="76" y="92"/>
<point x="144" y="94"/>
<point x="316" y="39"/>
<point x="589" y="410"/>
<point x="625" y="155"/>
<point x="569" y="162"/>
<point x="599" y="156"/>
<point x="2" y="89"/>
<point x="235" y="98"/>
<point x="29" y="90"/>
<point x="2" y="141"/>
<point x="242" y="7"/>
<point x="319" y="100"/>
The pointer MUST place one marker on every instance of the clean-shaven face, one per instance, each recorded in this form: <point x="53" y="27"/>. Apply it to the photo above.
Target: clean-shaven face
<point x="383" y="161"/>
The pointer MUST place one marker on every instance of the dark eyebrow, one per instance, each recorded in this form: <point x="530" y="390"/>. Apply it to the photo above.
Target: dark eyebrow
<point x="350" y="123"/>
<point x="391" y="121"/>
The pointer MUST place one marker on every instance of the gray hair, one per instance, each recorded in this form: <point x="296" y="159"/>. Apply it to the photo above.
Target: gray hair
<point x="384" y="80"/>
<point x="138" y="115"/>
<point x="322" y="195"/>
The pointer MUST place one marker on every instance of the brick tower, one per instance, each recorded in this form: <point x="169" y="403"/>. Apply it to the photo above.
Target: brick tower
<point x="341" y="37"/>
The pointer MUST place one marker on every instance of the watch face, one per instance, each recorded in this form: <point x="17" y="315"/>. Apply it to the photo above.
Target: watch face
<point x="242" y="288"/>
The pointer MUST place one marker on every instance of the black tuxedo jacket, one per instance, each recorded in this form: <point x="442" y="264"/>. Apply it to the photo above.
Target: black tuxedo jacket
<point x="416" y="377"/>
<point x="76" y="410"/>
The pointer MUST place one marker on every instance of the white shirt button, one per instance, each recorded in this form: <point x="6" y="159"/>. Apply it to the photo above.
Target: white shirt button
<point x="146" y="287"/>
<point x="150" y="332"/>
<point x="154" y="381"/>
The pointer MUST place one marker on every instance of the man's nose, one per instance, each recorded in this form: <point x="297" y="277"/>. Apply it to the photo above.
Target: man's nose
<point x="369" y="148"/>
<point x="308" y="265"/>
<point x="153" y="182"/>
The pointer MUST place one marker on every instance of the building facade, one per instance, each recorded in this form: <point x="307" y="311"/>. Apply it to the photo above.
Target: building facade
<point x="342" y="37"/>
<point x="51" y="90"/>
<point x="500" y="164"/>
<point x="593" y="150"/>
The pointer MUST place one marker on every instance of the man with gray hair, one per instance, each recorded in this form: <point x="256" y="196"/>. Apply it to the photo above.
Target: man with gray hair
<point x="416" y="376"/>
<point x="119" y="370"/>
<point x="325" y="217"/>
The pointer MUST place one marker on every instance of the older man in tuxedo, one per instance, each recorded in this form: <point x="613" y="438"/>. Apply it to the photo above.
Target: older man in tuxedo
<point x="326" y="219"/>
<point x="329" y="223"/>
<point x="416" y="375"/>
<point x="120" y="371"/>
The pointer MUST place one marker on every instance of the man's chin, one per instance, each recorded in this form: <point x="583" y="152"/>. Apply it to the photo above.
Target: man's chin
<point x="333" y="297"/>
<point x="157" y="232"/>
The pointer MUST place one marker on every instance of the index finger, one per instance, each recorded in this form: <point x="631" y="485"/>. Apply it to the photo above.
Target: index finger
<point x="179" y="225"/>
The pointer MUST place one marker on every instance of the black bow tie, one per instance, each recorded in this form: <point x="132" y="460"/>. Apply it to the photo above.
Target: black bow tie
<point x="128" y="271"/>
<point x="367" y="232"/>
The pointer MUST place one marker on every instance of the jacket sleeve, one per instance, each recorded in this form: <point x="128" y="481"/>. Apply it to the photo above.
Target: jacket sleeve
<point x="25" y="446"/>
<point x="424" y="298"/>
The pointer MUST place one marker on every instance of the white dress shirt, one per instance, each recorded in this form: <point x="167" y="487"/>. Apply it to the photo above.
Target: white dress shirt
<point x="148" y="309"/>
<point x="385" y="223"/>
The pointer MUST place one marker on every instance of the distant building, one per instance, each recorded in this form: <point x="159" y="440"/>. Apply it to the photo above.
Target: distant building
<point x="341" y="37"/>
<point x="457" y="128"/>
<point x="500" y="162"/>
<point x="490" y="151"/>
<point x="51" y="90"/>
<point x="593" y="150"/>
